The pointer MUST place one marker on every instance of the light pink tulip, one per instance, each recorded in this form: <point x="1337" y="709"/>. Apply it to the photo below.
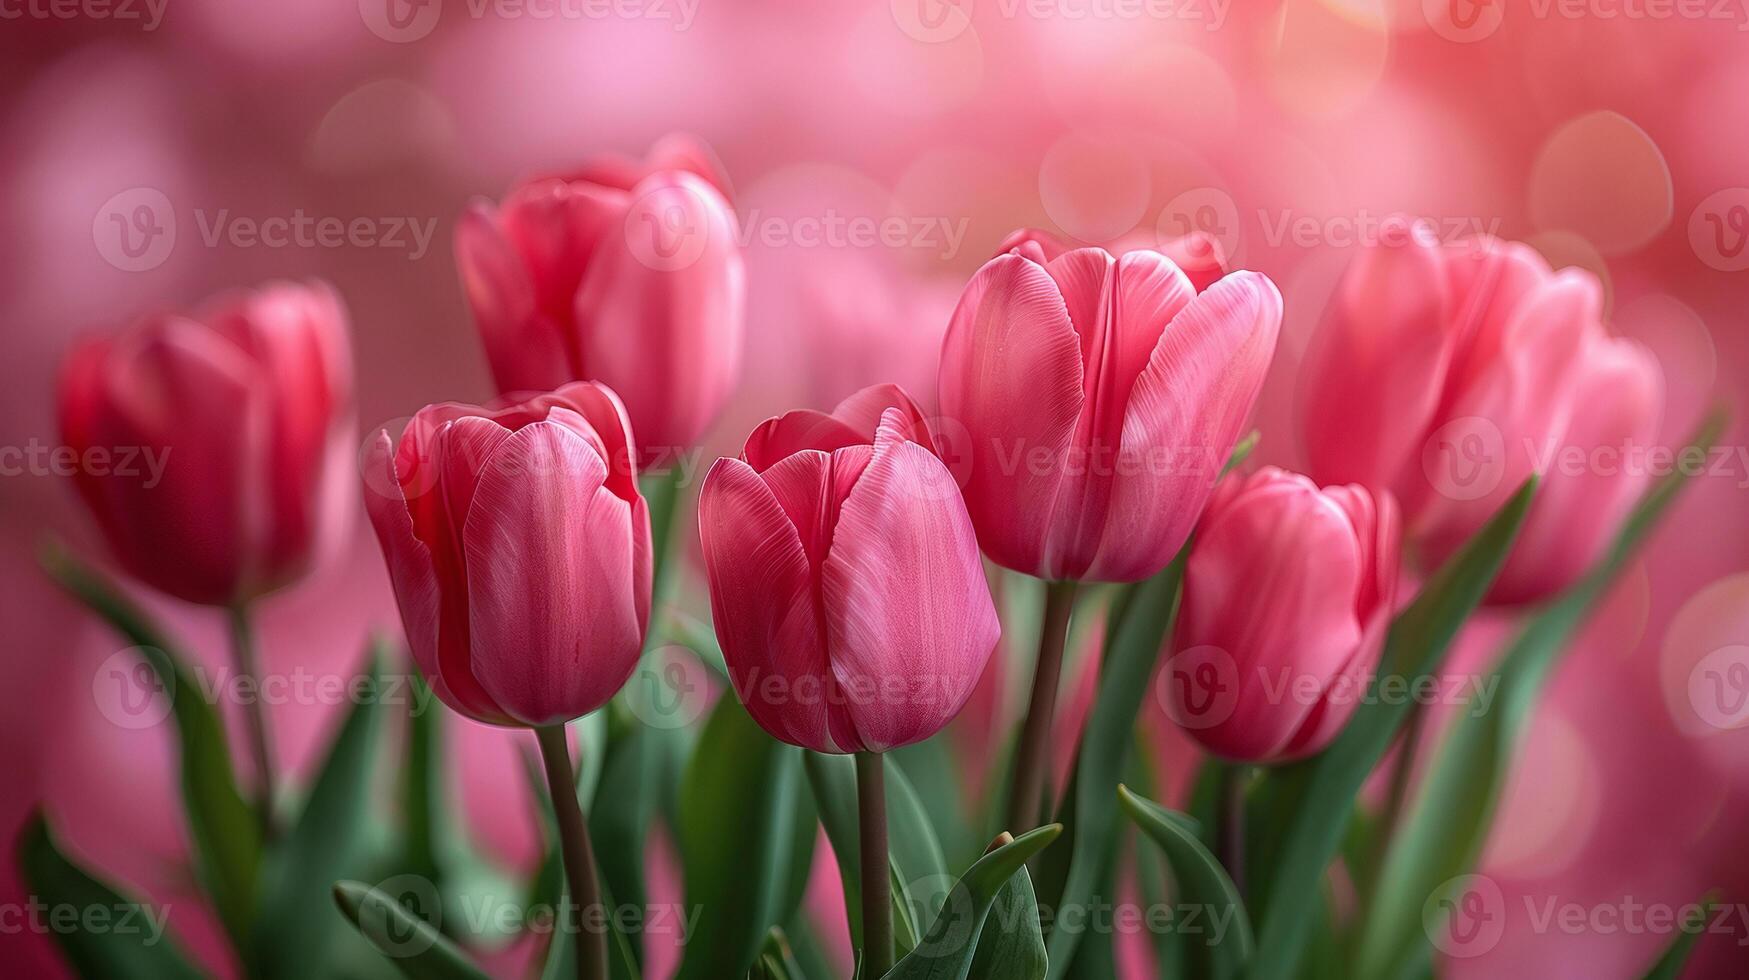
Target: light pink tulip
<point x="626" y="274"/>
<point x="211" y="448"/>
<point x="1099" y="398"/>
<point x="1287" y="597"/>
<point x="845" y="580"/>
<point x="1197" y="255"/>
<point x="1449" y="373"/>
<point x="519" y="549"/>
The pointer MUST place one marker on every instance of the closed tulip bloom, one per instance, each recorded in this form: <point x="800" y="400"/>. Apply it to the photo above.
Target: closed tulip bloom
<point x="212" y="447"/>
<point x="519" y="550"/>
<point x="626" y="274"/>
<point x="1450" y="373"/>
<point x="1288" y="595"/>
<point x="1100" y="397"/>
<point x="1197" y="255"/>
<point x="845" y="580"/>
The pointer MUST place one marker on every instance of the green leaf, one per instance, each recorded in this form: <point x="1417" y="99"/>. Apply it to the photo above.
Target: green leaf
<point x="948" y="948"/>
<point x="1689" y="930"/>
<point x="1322" y="790"/>
<point x="1012" y="945"/>
<point x="915" y="854"/>
<point x="1069" y="877"/>
<point x="1201" y="882"/>
<point x="128" y="942"/>
<point x="295" y="925"/>
<point x="743" y="812"/>
<point x="1442" y="833"/>
<point x="776" y="960"/>
<point x="224" y="829"/>
<point x="640" y="763"/>
<point x="416" y="949"/>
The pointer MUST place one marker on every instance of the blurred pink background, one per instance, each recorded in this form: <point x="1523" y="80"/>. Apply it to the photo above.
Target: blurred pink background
<point x="1286" y="128"/>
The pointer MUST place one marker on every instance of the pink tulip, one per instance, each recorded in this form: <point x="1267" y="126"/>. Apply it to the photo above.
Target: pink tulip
<point x="845" y="580"/>
<point x="1287" y="597"/>
<point x="1197" y="255"/>
<point x="1450" y="373"/>
<point x="626" y="274"/>
<point x="1100" y="398"/>
<point x="519" y="549"/>
<point x="211" y="448"/>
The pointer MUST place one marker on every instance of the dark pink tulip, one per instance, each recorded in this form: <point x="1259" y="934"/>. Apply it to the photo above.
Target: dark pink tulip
<point x="1100" y="398"/>
<point x="211" y="448"/>
<point x="1287" y="598"/>
<point x="845" y="580"/>
<point x="519" y="549"/>
<point x="1449" y="373"/>
<point x="622" y="273"/>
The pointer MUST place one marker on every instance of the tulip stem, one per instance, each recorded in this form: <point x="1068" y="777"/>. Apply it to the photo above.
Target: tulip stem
<point x="578" y="855"/>
<point x="877" y="894"/>
<point x="1230" y="831"/>
<point x="244" y="661"/>
<point x="1032" y="756"/>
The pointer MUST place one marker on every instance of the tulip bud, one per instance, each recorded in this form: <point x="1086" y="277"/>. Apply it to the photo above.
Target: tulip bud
<point x="1450" y="373"/>
<point x="1288" y="594"/>
<point x="519" y="550"/>
<point x="845" y="581"/>
<point x="1100" y="398"/>
<point x="1198" y="255"/>
<point x="212" y="447"/>
<point x="624" y="274"/>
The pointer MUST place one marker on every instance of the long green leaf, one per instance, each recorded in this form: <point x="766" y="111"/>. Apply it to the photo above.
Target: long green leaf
<point x="1012" y="945"/>
<point x="224" y="829"/>
<point x="1688" y="932"/>
<point x="112" y="936"/>
<point x="1443" y="832"/>
<point x="295" y="927"/>
<point x="948" y="948"/>
<point x="1323" y="789"/>
<point x="417" y="950"/>
<point x="1203" y="883"/>
<point x="742" y="807"/>
<point x="1069" y="877"/>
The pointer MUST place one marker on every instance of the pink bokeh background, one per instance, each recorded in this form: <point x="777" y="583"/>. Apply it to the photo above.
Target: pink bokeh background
<point x="1615" y="143"/>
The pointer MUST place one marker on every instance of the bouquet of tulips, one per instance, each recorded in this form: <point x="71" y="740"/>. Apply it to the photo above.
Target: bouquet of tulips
<point x="1075" y="510"/>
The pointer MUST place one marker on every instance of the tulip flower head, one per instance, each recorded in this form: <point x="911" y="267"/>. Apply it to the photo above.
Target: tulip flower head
<point x="845" y="580"/>
<point x="627" y="274"/>
<point x="519" y="549"/>
<point x="1450" y="372"/>
<point x="1288" y="594"/>
<point x="1100" y="397"/>
<point x="212" y="447"/>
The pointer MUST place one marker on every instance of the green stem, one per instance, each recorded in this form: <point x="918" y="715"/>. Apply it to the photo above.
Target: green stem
<point x="1230" y="832"/>
<point x="661" y="490"/>
<point x="877" y="895"/>
<point x="244" y="661"/>
<point x="574" y="847"/>
<point x="1032" y="756"/>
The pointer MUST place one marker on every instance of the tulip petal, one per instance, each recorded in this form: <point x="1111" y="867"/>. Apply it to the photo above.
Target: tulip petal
<point x="763" y="605"/>
<point x="659" y="312"/>
<point x="554" y="623"/>
<point x="1372" y="376"/>
<point x="908" y="608"/>
<point x="1011" y="375"/>
<point x="523" y="344"/>
<point x="1184" y="416"/>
